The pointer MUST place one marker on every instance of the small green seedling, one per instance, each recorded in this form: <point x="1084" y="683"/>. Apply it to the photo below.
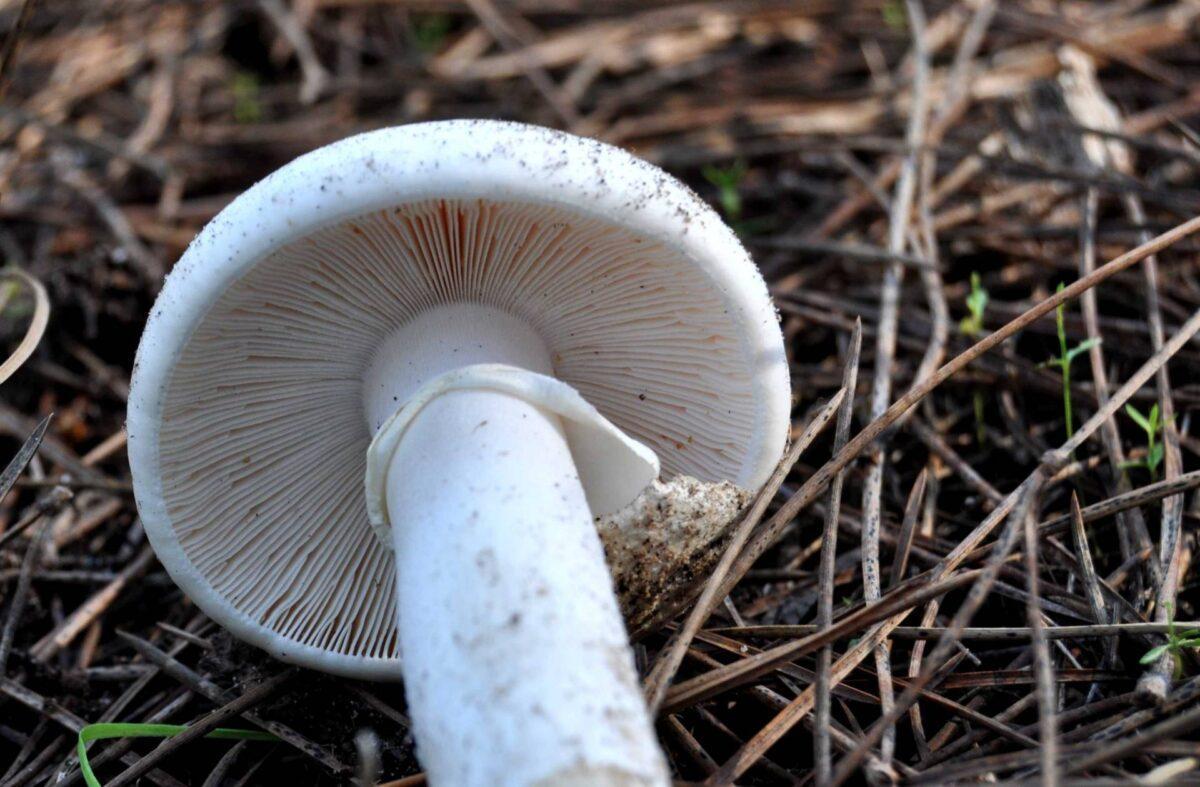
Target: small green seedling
<point x="971" y="326"/>
<point x="1063" y="362"/>
<point x="977" y="300"/>
<point x="1175" y="644"/>
<point x="247" y="103"/>
<point x="10" y="305"/>
<point x="1152" y="425"/>
<point x="429" y="31"/>
<point x="7" y="290"/>
<point x="894" y="15"/>
<point x="728" y="181"/>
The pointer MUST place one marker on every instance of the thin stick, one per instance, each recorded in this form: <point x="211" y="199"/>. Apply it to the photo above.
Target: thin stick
<point x="885" y="353"/>
<point x="1159" y="490"/>
<point x="9" y="50"/>
<point x="694" y="749"/>
<point x="982" y="633"/>
<point x="314" y="77"/>
<point x="23" y="776"/>
<point x="17" y="465"/>
<point x="931" y="276"/>
<point x="1134" y="536"/>
<point x="850" y="251"/>
<point x="87" y="613"/>
<point x="1156" y="681"/>
<point x="52" y="449"/>
<point x="141" y="257"/>
<point x="1043" y="667"/>
<point x="908" y="527"/>
<point x="48" y="503"/>
<point x="33" y="553"/>
<point x="821" y="743"/>
<point x="27" y="747"/>
<point x="1083" y="554"/>
<point x="408" y="781"/>
<point x="496" y="25"/>
<point x="216" y="777"/>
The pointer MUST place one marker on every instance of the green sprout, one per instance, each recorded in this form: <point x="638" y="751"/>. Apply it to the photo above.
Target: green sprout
<point x="247" y="106"/>
<point x="429" y="31"/>
<point x="894" y="15"/>
<point x="728" y="181"/>
<point x="1063" y="362"/>
<point x="977" y="300"/>
<point x="16" y="308"/>
<point x="1175" y="644"/>
<point x="971" y="326"/>
<point x="1152" y="425"/>
<point x="8" y="290"/>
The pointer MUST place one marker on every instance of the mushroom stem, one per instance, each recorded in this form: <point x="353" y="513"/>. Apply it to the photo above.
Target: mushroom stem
<point x="515" y="658"/>
<point x="516" y="662"/>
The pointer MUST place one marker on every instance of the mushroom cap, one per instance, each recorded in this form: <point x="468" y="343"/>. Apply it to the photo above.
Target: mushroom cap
<point x="247" y="433"/>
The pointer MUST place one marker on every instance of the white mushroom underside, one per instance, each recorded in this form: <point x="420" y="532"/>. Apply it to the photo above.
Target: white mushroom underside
<point x="263" y="434"/>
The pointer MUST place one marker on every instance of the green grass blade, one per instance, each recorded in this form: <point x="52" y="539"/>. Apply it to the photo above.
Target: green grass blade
<point x="96" y="732"/>
<point x="1082" y="347"/>
<point x="1137" y="417"/>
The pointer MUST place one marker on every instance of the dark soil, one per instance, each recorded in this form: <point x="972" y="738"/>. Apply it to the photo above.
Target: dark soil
<point x="125" y="126"/>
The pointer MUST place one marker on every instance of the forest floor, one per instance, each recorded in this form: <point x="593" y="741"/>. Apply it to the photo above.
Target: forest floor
<point x="1008" y="562"/>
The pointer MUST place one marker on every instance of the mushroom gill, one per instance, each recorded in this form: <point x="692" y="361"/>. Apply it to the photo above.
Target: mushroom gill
<point x="263" y="422"/>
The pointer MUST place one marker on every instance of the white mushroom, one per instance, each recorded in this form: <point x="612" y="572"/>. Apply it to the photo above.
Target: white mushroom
<point x="502" y="331"/>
